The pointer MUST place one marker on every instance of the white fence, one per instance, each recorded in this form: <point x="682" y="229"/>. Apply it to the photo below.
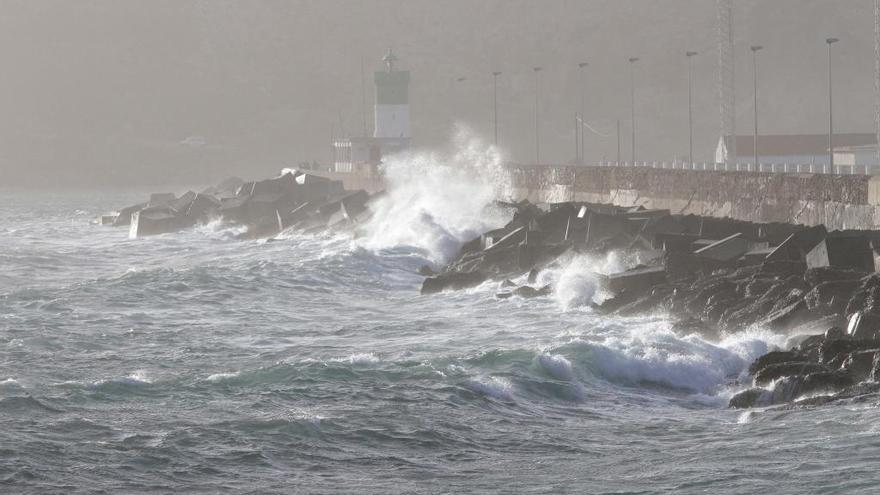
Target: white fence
<point x="777" y="168"/>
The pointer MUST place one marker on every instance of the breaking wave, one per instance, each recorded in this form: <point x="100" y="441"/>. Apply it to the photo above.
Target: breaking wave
<point x="437" y="201"/>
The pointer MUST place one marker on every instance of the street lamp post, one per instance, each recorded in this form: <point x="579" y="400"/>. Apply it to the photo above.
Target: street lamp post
<point x="495" y="103"/>
<point x="690" y="56"/>
<point x="536" y="70"/>
<point x="830" y="42"/>
<point x="755" y="49"/>
<point x="582" y="66"/>
<point x="632" y="94"/>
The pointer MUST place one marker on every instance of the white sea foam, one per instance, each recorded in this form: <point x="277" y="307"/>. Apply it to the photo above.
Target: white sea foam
<point x="10" y="384"/>
<point x="575" y="282"/>
<point x="498" y="388"/>
<point x="137" y="378"/>
<point x="219" y="377"/>
<point x="556" y="366"/>
<point x="650" y="352"/>
<point x="437" y="201"/>
<point x="358" y="358"/>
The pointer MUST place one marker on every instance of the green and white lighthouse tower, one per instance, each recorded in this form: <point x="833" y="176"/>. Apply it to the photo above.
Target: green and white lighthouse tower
<point x="392" y="101"/>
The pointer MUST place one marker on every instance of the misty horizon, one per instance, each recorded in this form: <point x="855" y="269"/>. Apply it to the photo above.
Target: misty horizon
<point x="133" y="93"/>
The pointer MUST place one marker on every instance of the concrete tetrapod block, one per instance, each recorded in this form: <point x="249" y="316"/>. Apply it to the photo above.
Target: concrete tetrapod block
<point x="675" y="242"/>
<point x="728" y="249"/>
<point x="842" y="252"/>
<point x="637" y="279"/>
<point x="796" y="246"/>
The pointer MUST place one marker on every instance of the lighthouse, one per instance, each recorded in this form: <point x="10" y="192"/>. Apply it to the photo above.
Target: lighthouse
<point x="391" y="132"/>
<point x="392" y="100"/>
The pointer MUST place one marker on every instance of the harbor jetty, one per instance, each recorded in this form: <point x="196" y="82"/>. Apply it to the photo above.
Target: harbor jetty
<point x="294" y="199"/>
<point x="713" y="276"/>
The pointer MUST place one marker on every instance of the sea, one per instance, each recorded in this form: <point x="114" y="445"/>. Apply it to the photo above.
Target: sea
<point x="198" y="362"/>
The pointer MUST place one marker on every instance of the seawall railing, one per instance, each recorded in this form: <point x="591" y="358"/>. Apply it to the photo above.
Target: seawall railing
<point x="777" y="168"/>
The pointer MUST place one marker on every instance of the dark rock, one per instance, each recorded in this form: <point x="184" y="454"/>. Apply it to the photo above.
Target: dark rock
<point x="783" y="268"/>
<point x="452" y="281"/>
<point x="875" y="368"/>
<point x="834" y="294"/>
<point x="786" y="316"/>
<point x="747" y="398"/>
<point x="427" y="271"/>
<point x="533" y="275"/>
<point x="837" y="350"/>
<point x="656" y="298"/>
<point x="860" y="364"/>
<point x="507" y="283"/>
<point x="773" y="357"/>
<point x="772" y="372"/>
<point x="826" y="381"/>
<point x="810" y="346"/>
<point x="816" y="276"/>
<point x="527" y="292"/>
<point x="834" y="333"/>
<point x="619" y="300"/>
<point x="863" y="325"/>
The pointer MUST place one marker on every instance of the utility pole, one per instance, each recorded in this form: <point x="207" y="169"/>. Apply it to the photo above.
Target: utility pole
<point x="830" y="42"/>
<point x="363" y="98"/>
<point x="582" y="66"/>
<point x="536" y="70"/>
<point x="755" y="49"/>
<point x="632" y="94"/>
<point x="690" y="56"/>
<point x="726" y="78"/>
<point x="618" y="142"/>
<point x="495" y="102"/>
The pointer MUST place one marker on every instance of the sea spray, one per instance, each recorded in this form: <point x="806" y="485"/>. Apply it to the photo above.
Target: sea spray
<point x="575" y="280"/>
<point x="437" y="201"/>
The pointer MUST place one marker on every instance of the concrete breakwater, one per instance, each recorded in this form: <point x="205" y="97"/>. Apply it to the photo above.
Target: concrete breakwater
<point x="713" y="276"/>
<point x="293" y="200"/>
<point x="836" y="201"/>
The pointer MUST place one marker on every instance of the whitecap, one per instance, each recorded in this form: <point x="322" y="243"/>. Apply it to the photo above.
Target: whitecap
<point x="556" y="366"/>
<point x="498" y="388"/>
<point x="358" y="358"/>
<point x="219" y="377"/>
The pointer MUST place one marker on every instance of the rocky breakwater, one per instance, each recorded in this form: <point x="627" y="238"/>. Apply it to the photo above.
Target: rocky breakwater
<point x="293" y="200"/>
<point x="713" y="276"/>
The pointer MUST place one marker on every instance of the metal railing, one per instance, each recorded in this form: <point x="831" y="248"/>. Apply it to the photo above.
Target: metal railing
<point x="776" y="168"/>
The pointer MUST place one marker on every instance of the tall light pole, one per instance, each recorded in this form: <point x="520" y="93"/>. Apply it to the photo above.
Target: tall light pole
<point x="536" y="70"/>
<point x="582" y="67"/>
<point x="690" y="56"/>
<point x="755" y="49"/>
<point x="495" y="102"/>
<point x="830" y="42"/>
<point x="632" y="95"/>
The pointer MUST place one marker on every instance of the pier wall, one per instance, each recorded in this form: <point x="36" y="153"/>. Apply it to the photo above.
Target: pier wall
<point x="838" y="201"/>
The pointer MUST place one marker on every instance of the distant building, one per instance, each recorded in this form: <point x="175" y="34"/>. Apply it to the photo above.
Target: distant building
<point x="800" y="149"/>
<point x="857" y="156"/>
<point x="391" y="129"/>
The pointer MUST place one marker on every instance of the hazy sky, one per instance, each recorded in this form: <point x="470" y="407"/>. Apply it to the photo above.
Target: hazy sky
<point x="97" y="92"/>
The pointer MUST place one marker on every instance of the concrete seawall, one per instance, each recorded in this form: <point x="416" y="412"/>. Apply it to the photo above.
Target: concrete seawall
<point x="837" y="201"/>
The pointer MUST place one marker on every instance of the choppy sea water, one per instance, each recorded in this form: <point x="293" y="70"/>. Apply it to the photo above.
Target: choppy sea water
<point x="198" y="363"/>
